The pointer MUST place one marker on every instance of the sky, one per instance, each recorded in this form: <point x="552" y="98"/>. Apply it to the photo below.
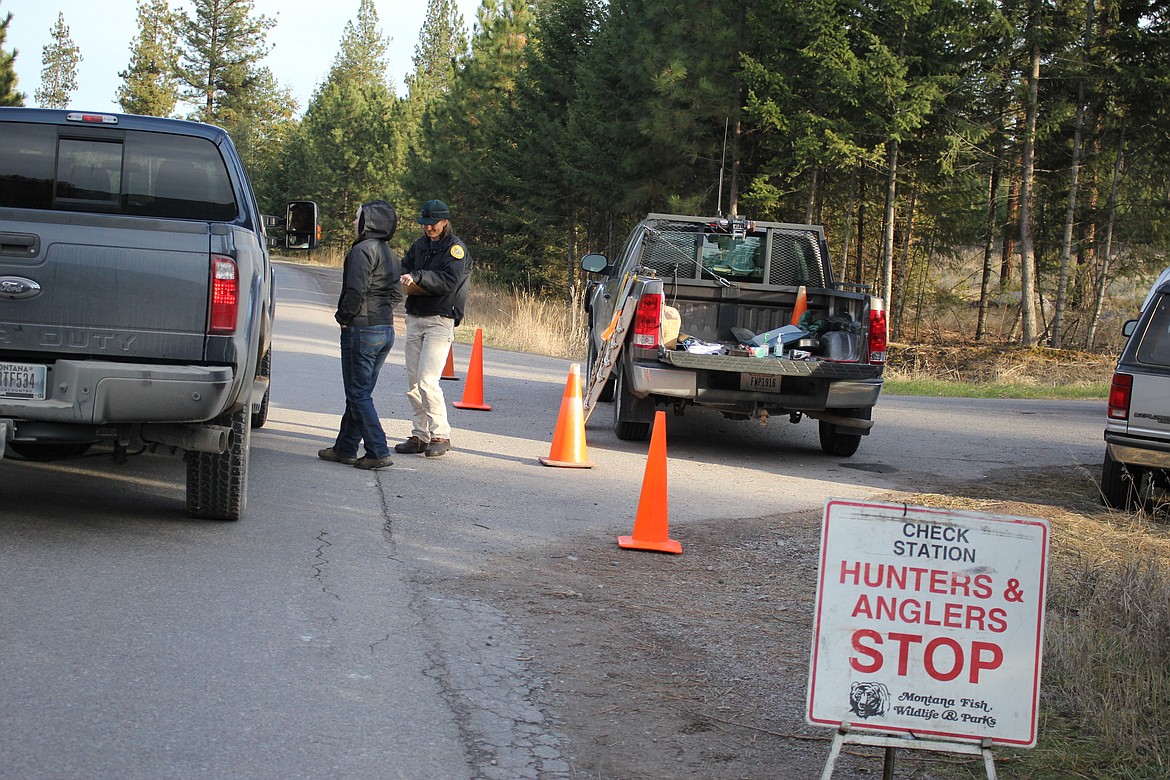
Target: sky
<point x="304" y="42"/>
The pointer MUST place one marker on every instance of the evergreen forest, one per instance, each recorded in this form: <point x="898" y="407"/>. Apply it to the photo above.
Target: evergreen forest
<point x="1024" y="143"/>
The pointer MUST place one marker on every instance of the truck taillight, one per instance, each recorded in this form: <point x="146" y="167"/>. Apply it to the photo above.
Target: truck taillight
<point x="1119" y="395"/>
<point x="225" y="295"/>
<point x="877" y="334"/>
<point x="647" y="320"/>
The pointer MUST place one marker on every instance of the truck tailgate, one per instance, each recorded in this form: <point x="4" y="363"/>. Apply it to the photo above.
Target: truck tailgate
<point x="124" y="289"/>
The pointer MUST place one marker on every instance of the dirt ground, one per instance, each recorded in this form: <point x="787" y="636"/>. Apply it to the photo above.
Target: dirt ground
<point x="681" y="666"/>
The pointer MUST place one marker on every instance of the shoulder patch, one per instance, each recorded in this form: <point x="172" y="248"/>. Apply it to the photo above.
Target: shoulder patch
<point x="457" y="252"/>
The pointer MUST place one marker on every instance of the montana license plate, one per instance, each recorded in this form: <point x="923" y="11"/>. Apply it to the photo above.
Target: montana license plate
<point x="22" y="380"/>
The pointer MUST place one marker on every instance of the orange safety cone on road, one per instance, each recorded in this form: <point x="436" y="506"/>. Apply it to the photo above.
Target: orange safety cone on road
<point x="473" y="390"/>
<point x="650" y="524"/>
<point x="568" y="445"/>
<point x="801" y="305"/>
<point x="449" y="369"/>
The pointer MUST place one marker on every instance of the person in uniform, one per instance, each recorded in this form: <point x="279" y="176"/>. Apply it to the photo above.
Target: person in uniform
<point x="370" y="289"/>
<point x="436" y="276"/>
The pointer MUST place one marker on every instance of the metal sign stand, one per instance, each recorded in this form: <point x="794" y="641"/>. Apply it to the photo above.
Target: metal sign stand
<point x="846" y="736"/>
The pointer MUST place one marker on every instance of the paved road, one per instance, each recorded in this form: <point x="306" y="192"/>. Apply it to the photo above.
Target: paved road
<point x="307" y="641"/>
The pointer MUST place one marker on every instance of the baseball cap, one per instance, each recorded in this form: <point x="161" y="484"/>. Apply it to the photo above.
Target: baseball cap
<point x="433" y="211"/>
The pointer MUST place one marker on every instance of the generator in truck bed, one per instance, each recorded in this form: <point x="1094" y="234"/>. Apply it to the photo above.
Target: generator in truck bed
<point x="738" y="316"/>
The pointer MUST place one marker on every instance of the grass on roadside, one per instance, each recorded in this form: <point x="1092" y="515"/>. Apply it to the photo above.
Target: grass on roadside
<point x="1106" y="675"/>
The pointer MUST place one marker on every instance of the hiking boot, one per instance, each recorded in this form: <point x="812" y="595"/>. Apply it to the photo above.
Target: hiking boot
<point x="412" y="446"/>
<point x="368" y="463"/>
<point x="330" y="454"/>
<point x="438" y="447"/>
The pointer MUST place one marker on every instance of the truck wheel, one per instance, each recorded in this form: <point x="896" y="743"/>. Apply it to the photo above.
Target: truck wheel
<point x="590" y="362"/>
<point x="1120" y="484"/>
<point x="836" y="443"/>
<point x="632" y="416"/>
<point x="261" y="417"/>
<point x="217" y="485"/>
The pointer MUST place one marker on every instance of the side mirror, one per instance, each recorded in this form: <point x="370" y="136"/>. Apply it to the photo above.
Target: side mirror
<point x="302" y="225"/>
<point x="1128" y="328"/>
<point x="594" y="264"/>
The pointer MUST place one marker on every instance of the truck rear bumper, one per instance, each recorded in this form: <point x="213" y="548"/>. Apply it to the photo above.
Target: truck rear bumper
<point x="1138" y="452"/>
<point x="817" y="394"/>
<point x="99" y="392"/>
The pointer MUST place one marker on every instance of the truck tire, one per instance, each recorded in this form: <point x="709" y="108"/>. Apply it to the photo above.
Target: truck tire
<point x="590" y="362"/>
<point x="1120" y="484"/>
<point x="217" y="485"/>
<point x="836" y="443"/>
<point x="261" y="417"/>
<point x="632" y="416"/>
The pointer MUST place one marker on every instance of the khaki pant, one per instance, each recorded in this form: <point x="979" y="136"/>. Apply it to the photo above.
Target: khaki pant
<point x="428" y="340"/>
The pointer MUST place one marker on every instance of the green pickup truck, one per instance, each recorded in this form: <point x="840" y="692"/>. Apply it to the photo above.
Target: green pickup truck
<point x="739" y="316"/>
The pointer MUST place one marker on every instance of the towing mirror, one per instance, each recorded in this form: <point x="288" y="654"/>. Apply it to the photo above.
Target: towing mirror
<point x="302" y="225"/>
<point x="594" y="264"/>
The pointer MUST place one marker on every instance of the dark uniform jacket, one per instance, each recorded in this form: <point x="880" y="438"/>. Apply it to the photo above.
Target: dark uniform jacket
<point x="369" y="284"/>
<point x="443" y="270"/>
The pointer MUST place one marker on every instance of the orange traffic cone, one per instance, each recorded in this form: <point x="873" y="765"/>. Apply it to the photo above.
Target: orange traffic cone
<point x="568" y="444"/>
<point x="650" y="524"/>
<point x="473" y="390"/>
<point x="801" y="305"/>
<point x="449" y="369"/>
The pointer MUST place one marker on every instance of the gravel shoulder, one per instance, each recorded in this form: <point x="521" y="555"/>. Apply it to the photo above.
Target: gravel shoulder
<point x="676" y="666"/>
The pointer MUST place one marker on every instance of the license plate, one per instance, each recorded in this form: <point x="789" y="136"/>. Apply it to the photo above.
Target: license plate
<point x="769" y="383"/>
<point x="22" y="380"/>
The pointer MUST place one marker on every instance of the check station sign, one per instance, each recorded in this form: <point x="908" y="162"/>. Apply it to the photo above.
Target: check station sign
<point x="929" y="621"/>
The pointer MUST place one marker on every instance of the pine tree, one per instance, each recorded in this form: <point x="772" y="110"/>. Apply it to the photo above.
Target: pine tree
<point x="8" y="94"/>
<point x="221" y="46"/>
<point x="441" y="41"/>
<point x="341" y="153"/>
<point x="59" y="59"/>
<point x="149" y="85"/>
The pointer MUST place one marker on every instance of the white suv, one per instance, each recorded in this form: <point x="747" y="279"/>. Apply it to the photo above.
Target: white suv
<point x="1137" y="428"/>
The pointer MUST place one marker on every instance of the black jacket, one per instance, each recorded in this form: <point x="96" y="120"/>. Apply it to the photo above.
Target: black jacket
<point x="444" y="271"/>
<point x="369" y="284"/>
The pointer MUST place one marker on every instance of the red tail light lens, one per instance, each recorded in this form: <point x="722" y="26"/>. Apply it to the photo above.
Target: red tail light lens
<point x="1119" y="395"/>
<point x="647" y="320"/>
<point x="225" y="295"/>
<point x="877" y="336"/>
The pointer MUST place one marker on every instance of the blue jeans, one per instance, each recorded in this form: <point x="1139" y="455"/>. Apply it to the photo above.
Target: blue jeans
<point x="363" y="351"/>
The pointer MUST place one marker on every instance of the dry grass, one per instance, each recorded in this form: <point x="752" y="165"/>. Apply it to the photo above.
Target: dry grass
<point x="1106" y="680"/>
<point x="510" y="319"/>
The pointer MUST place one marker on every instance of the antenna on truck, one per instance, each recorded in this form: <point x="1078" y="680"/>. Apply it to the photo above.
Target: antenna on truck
<point x="722" y="165"/>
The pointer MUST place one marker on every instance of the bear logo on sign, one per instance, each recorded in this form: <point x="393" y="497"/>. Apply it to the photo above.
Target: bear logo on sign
<point x="868" y="699"/>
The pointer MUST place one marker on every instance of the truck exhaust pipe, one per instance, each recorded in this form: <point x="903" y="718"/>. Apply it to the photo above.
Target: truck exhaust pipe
<point x="196" y="438"/>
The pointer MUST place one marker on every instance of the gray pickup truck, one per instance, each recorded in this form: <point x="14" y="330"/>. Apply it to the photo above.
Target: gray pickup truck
<point x="734" y="315"/>
<point x="136" y="295"/>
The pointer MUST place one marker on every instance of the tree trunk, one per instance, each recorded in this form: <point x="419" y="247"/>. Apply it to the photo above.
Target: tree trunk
<point x="888" y="235"/>
<point x="847" y="230"/>
<point x="1107" y="250"/>
<point x="1074" y="176"/>
<point x="988" y="245"/>
<point x="1028" y="335"/>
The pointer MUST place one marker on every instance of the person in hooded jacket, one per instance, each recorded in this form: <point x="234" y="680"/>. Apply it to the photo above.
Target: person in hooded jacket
<point x="436" y="277"/>
<point x="370" y="290"/>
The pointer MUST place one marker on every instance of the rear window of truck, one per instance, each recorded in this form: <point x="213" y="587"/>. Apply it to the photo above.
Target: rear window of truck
<point x="135" y="173"/>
